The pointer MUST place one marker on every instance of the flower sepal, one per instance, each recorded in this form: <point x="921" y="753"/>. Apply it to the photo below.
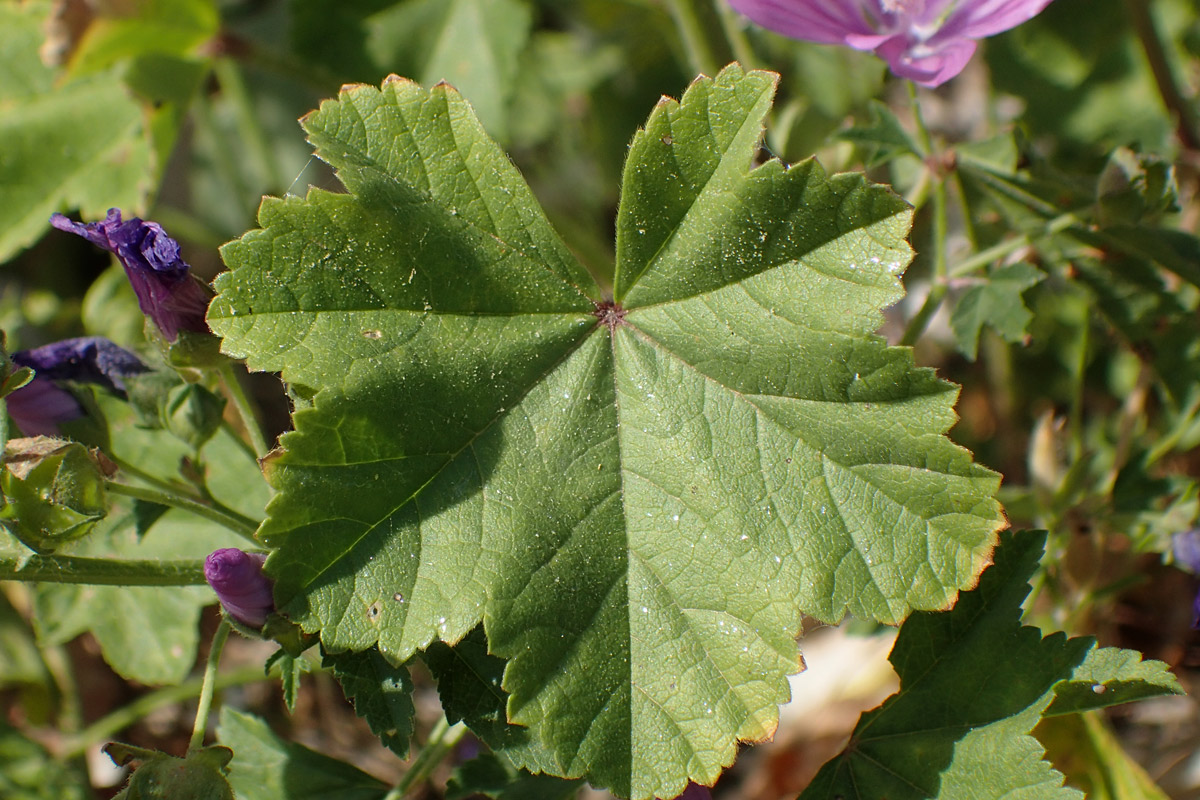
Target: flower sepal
<point x="53" y="491"/>
<point x="160" y="776"/>
<point x="190" y="350"/>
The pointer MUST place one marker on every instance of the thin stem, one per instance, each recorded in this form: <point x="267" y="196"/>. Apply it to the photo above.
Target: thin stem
<point x="1004" y="248"/>
<point x="937" y="292"/>
<point x="103" y="571"/>
<point x="229" y="74"/>
<point x="1188" y="127"/>
<point x="208" y="685"/>
<point x="241" y="402"/>
<point x="111" y="724"/>
<point x="1075" y="425"/>
<point x="153" y="480"/>
<point x="238" y="523"/>
<point x="916" y="326"/>
<point x="691" y="31"/>
<point x="222" y="147"/>
<point x="735" y="34"/>
<point x="441" y="741"/>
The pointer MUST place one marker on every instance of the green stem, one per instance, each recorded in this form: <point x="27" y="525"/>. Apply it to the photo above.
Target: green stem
<point x="1075" y="424"/>
<point x="735" y="34"/>
<point x="208" y="685"/>
<point x="1188" y="127"/>
<point x="153" y="480"/>
<point x="937" y="291"/>
<point x="104" y="571"/>
<point x="916" y="325"/>
<point x="441" y="741"/>
<point x="1004" y="248"/>
<point x="238" y="523"/>
<point x="691" y="31"/>
<point x="241" y="402"/>
<point x="111" y="724"/>
<point x="229" y="75"/>
<point x="222" y="147"/>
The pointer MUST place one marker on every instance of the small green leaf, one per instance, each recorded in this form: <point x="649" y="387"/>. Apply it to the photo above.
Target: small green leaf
<point x="973" y="683"/>
<point x="266" y="767"/>
<point x="636" y="495"/>
<point x="381" y="693"/>
<point x="198" y="776"/>
<point x="1110" y="676"/>
<point x="883" y="137"/>
<point x="994" y="301"/>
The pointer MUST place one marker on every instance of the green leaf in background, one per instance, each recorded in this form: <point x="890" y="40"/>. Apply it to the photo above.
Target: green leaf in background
<point x="637" y="497"/>
<point x="474" y="45"/>
<point x="381" y="693"/>
<point x="119" y="32"/>
<point x="28" y="772"/>
<point x="1092" y="758"/>
<point x="266" y="767"/>
<point x="973" y="683"/>
<point x="487" y="775"/>
<point x="994" y="301"/>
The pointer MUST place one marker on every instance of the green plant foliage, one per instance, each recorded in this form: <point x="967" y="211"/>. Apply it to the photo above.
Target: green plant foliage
<point x="636" y="495"/>
<point x="29" y="773"/>
<point x="973" y="684"/>
<point x="996" y="302"/>
<point x="489" y="776"/>
<point x="266" y="767"/>
<point x="381" y="693"/>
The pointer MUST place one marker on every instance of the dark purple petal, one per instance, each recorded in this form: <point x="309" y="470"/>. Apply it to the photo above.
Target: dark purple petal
<point x="1196" y="612"/>
<point x="40" y="406"/>
<point x="166" y="291"/>
<point x="88" y="359"/>
<point x="237" y="578"/>
<point x="695" y="791"/>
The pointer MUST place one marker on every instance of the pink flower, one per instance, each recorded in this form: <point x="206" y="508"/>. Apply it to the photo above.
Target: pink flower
<point x="926" y="41"/>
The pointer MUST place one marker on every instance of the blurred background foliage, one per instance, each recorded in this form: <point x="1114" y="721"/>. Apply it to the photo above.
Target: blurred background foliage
<point x="1067" y="309"/>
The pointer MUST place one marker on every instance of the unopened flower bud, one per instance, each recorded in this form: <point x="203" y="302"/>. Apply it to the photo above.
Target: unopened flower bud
<point x="237" y="578"/>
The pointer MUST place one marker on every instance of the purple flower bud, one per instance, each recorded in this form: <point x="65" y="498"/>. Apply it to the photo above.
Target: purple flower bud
<point x="1185" y="547"/>
<point x="166" y="291"/>
<point x="41" y="405"/>
<point x="237" y="578"/>
<point x="695" y="791"/>
<point x="926" y="41"/>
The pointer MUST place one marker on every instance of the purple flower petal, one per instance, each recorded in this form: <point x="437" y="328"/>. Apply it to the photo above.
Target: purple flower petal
<point x="237" y="578"/>
<point x="926" y="41"/>
<point x="41" y="405"/>
<point x="166" y="291"/>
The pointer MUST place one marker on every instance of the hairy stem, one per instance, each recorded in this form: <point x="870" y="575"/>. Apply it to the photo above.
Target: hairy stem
<point x="103" y="571"/>
<point x="214" y="512"/>
<point x="245" y="410"/>
<point x="208" y="685"/>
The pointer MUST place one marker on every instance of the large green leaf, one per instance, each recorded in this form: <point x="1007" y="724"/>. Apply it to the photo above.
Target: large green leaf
<point x="973" y="684"/>
<point x="79" y="145"/>
<point x="266" y="767"/>
<point x="637" y="497"/>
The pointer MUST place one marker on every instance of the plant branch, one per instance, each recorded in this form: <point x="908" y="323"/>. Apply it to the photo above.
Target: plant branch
<point x="103" y="571"/>
<point x="691" y="32"/>
<point x="218" y="513"/>
<point x="208" y="685"/>
<point x="245" y="410"/>
<point x="1148" y="33"/>
<point x="111" y="724"/>
<point x="441" y="741"/>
